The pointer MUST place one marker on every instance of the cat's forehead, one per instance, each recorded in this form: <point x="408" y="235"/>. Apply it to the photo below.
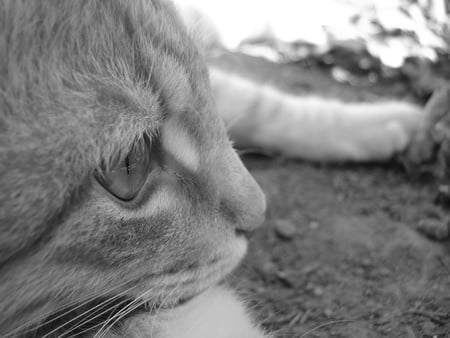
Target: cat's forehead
<point x="120" y="67"/>
<point x="80" y="82"/>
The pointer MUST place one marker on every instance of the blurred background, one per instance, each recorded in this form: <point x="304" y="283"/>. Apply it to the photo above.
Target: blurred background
<point x="355" y="40"/>
<point x="347" y="250"/>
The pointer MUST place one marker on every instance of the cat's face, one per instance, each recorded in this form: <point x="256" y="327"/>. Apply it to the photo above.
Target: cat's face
<point x="118" y="180"/>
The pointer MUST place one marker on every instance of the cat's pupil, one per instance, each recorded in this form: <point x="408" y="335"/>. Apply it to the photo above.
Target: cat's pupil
<point x="126" y="179"/>
<point x="127" y="164"/>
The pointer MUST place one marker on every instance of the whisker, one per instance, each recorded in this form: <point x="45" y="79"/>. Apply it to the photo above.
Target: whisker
<point x="135" y="304"/>
<point x="92" y="317"/>
<point x="35" y="323"/>
<point x="105" y="325"/>
<point x="156" y="307"/>
<point x="175" y="288"/>
<point x="110" y="316"/>
<point x="100" y="305"/>
<point x="140" y="300"/>
<point x="143" y="301"/>
<point x="121" y="314"/>
<point x="161" y="304"/>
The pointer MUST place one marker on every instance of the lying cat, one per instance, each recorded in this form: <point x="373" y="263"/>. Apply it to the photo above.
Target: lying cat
<point x="307" y="127"/>
<point x="123" y="203"/>
<point x="312" y="127"/>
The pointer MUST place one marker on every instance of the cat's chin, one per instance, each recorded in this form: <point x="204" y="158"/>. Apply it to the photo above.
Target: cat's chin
<point x="175" y="291"/>
<point x="182" y="287"/>
<point x="195" y="292"/>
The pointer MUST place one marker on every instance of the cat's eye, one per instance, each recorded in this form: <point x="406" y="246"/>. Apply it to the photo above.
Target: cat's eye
<point x="126" y="178"/>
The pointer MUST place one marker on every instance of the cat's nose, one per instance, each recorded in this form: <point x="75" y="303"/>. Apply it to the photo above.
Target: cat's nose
<point x="243" y="199"/>
<point x="253" y="207"/>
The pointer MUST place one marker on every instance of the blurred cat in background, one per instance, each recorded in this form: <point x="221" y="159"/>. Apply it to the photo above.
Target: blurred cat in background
<point x="315" y="128"/>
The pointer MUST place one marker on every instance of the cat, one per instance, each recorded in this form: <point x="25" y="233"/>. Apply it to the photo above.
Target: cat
<point x="123" y="202"/>
<point x="314" y="128"/>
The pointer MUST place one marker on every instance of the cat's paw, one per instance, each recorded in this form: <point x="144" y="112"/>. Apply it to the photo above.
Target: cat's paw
<point x="430" y="144"/>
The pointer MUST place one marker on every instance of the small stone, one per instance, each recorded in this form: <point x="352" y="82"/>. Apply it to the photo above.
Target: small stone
<point x="314" y="225"/>
<point x="328" y="312"/>
<point x="366" y="262"/>
<point x="268" y="268"/>
<point x="429" y="328"/>
<point x="318" y="291"/>
<point x="444" y="189"/>
<point x="340" y="197"/>
<point x="359" y="271"/>
<point x="285" y="229"/>
<point x="284" y="278"/>
<point x="384" y="272"/>
<point x="368" y="293"/>
<point x="434" y="228"/>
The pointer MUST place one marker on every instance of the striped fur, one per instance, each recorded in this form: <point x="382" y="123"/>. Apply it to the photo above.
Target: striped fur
<point x="80" y="82"/>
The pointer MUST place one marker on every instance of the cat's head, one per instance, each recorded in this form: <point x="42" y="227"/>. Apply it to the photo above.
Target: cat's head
<point x="119" y="185"/>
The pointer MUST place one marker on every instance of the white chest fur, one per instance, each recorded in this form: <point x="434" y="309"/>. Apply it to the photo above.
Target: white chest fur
<point x="217" y="313"/>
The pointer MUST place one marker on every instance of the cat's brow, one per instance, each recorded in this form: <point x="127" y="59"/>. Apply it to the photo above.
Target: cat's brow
<point x="177" y="141"/>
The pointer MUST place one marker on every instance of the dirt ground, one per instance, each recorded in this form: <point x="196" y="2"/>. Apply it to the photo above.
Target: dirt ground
<point x="339" y="254"/>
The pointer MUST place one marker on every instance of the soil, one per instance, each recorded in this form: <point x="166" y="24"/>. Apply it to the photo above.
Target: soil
<point x="340" y="254"/>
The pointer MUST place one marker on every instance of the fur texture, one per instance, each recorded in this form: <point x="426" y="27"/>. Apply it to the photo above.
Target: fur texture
<point x="217" y="313"/>
<point x="80" y="82"/>
<point x="313" y="128"/>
